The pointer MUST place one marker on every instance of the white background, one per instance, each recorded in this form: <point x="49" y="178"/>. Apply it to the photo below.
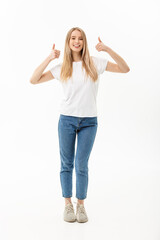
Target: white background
<point x="124" y="167"/>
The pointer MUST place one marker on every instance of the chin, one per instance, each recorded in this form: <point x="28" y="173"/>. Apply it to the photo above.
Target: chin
<point x="76" y="50"/>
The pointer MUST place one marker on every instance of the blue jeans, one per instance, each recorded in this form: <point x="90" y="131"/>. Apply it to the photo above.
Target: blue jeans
<point x="85" y="129"/>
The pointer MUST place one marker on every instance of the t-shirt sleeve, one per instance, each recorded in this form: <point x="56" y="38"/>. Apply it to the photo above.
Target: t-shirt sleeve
<point x="56" y="70"/>
<point x="100" y="64"/>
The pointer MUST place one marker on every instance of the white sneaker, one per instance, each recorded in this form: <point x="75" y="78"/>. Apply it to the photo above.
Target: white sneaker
<point x="81" y="214"/>
<point x="69" y="215"/>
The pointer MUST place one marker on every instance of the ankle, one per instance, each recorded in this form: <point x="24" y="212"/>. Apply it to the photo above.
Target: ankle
<point x="80" y="201"/>
<point x="67" y="200"/>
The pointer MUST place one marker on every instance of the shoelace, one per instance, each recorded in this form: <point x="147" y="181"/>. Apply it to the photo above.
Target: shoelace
<point x="69" y="208"/>
<point x="81" y="209"/>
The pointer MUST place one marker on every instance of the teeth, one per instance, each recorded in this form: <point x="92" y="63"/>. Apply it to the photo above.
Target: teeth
<point x="76" y="45"/>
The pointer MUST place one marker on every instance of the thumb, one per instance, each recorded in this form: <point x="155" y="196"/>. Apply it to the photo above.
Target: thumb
<point x="53" y="46"/>
<point x="99" y="39"/>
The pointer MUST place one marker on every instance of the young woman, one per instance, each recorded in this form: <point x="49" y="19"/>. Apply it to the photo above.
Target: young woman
<point x="79" y="75"/>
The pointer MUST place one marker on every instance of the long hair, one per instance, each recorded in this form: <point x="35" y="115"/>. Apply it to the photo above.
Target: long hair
<point x="87" y="62"/>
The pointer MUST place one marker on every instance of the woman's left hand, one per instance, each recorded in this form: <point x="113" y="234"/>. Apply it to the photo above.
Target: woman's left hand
<point x="101" y="46"/>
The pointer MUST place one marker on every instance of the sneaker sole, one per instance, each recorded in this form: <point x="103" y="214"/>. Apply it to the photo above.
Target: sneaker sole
<point x="82" y="221"/>
<point x="69" y="220"/>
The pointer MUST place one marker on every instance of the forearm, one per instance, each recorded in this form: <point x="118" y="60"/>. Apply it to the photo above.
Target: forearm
<point x="39" y="70"/>
<point x="119" y="60"/>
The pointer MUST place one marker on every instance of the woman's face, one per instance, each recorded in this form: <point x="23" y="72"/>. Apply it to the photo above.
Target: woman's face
<point x="76" y="41"/>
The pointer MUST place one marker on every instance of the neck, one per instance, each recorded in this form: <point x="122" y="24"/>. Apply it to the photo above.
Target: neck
<point x="76" y="57"/>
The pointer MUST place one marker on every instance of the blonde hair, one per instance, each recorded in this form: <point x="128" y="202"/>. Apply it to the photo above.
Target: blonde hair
<point x="87" y="62"/>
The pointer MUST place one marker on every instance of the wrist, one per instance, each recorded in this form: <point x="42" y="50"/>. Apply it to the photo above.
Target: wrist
<point x="49" y="58"/>
<point x="106" y="49"/>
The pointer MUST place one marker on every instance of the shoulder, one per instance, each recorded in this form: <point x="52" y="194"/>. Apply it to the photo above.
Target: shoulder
<point x="56" y="67"/>
<point x="100" y="63"/>
<point x="55" y="70"/>
<point x="99" y="59"/>
<point x="94" y="58"/>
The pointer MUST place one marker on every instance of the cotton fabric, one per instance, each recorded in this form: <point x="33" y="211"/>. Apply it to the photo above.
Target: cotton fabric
<point x="80" y="92"/>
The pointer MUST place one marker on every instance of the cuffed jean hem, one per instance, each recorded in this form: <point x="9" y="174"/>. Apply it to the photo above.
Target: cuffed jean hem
<point x="66" y="196"/>
<point x="80" y="198"/>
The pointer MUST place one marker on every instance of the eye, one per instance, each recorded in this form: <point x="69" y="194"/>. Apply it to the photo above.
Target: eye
<point x="79" y="39"/>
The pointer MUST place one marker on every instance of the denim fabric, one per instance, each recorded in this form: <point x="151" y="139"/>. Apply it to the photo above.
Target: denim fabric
<point x="85" y="129"/>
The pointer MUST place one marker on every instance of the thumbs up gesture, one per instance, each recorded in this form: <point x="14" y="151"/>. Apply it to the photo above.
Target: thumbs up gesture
<point x="54" y="53"/>
<point x="100" y="46"/>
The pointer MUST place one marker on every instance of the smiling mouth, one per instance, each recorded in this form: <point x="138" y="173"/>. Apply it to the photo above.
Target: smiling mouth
<point x="76" y="46"/>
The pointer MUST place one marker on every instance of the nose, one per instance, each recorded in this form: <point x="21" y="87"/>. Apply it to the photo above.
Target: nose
<point x="76" y="41"/>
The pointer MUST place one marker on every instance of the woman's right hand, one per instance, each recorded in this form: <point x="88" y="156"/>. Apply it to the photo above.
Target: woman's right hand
<point x="54" y="53"/>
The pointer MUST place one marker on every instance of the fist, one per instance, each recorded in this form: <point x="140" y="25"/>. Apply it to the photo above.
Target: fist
<point x="54" y="53"/>
<point x="100" y="46"/>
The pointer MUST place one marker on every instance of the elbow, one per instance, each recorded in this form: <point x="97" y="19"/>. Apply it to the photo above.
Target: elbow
<point x="127" y="70"/>
<point x="32" y="82"/>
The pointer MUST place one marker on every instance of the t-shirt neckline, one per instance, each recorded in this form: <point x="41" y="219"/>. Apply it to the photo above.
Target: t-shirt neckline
<point x="77" y="61"/>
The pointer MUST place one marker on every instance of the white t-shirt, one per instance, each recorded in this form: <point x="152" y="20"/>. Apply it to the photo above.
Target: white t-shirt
<point x="79" y="93"/>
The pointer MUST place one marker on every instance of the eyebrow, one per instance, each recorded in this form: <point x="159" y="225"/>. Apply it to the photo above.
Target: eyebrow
<point x="75" y="36"/>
